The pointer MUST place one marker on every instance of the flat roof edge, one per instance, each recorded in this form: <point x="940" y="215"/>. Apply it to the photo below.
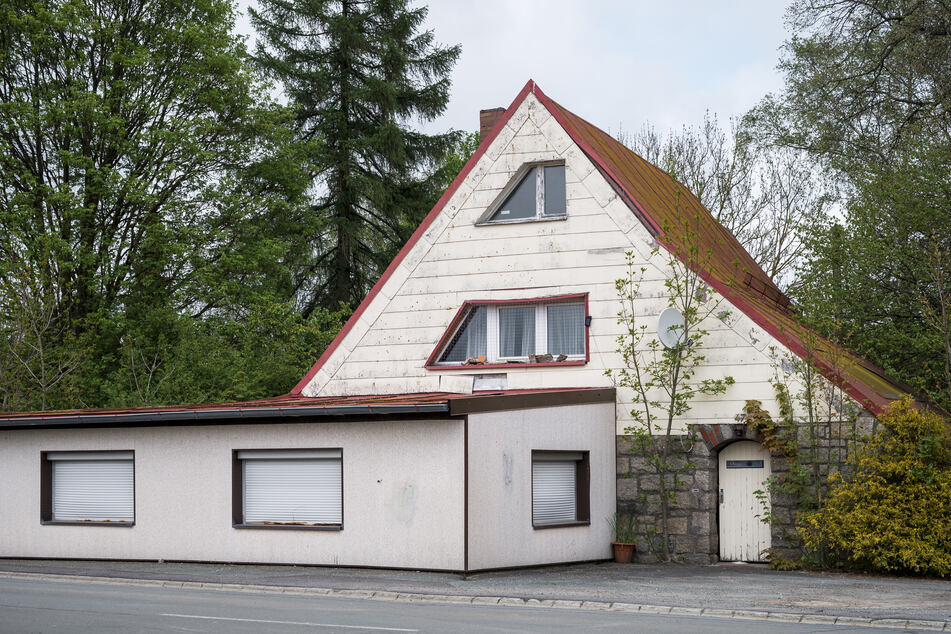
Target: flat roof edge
<point x="235" y="416"/>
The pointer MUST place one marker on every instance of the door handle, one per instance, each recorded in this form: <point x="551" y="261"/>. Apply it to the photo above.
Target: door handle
<point x="721" y="496"/>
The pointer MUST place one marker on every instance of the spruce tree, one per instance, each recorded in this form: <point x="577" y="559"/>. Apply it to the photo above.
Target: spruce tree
<point x="358" y="75"/>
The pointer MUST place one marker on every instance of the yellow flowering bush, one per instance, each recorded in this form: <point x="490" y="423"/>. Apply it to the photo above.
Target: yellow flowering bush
<point x="893" y="512"/>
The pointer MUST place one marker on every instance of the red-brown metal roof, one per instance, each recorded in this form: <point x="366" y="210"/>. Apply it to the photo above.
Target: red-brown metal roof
<point x="284" y="401"/>
<point x="677" y="218"/>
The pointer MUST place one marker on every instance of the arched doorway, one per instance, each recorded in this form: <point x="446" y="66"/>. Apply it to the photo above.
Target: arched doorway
<point x="744" y="468"/>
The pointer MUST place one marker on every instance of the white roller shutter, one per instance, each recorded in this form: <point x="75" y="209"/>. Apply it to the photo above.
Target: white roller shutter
<point x="96" y="490"/>
<point x="293" y="490"/>
<point x="554" y="491"/>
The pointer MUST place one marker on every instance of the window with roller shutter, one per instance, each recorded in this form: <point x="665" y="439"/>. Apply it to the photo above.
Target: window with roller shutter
<point x="560" y="488"/>
<point x="288" y="488"/>
<point x="88" y="487"/>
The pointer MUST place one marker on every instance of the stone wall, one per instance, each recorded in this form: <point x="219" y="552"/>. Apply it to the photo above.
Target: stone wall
<point x="833" y="443"/>
<point x="693" y="512"/>
<point x="694" y="531"/>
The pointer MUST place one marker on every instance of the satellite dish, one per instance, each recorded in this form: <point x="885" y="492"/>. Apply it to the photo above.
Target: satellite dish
<point x="671" y="327"/>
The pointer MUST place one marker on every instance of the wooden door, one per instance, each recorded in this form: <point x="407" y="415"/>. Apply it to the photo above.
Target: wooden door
<point x="744" y="467"/>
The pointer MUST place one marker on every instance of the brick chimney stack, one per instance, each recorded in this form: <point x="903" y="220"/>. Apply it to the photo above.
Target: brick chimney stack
<point x="488" y="119"/>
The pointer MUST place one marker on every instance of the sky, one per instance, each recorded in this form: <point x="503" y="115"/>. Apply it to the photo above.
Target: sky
<point x="619" y="64"/>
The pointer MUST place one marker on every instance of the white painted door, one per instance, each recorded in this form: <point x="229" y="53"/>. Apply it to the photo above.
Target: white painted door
<point x="744" y="467"/>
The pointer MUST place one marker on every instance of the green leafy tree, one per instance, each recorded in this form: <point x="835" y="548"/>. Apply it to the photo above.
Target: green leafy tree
<point x="454" y="160"/>
<point x="257" y="354"/>
<point x="146" y="184"/>
<point x="868" y="95"/>
<point x="356" y="74"/>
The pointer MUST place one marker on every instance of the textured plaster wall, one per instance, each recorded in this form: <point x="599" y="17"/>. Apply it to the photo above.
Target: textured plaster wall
<point x="500" y="485"/>
<point x="403" y="495"/>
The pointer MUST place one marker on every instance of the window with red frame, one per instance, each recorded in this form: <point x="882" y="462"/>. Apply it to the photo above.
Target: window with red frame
<point x="503" y="332"/>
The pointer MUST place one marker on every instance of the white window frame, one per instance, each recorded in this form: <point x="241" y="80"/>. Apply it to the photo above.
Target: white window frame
<point x="520" y="176"/>
<point x="576" y="508"/>
<point x="109" y="505"/>
<point x="240" y="510"/>
<point x="493" y="332"/>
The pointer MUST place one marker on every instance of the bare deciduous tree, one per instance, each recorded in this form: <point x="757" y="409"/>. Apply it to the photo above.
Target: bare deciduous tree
<point x="35" y="353"/>
<point x="762" y="195"/>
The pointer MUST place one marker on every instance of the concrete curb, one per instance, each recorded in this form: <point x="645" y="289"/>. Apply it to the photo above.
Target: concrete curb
<point x="385" y="595"/>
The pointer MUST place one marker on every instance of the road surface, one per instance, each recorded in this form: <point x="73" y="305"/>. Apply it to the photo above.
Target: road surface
<point x="28" y="605"/>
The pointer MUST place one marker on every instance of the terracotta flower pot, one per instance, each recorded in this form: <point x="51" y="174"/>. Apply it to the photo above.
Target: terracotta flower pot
<point x="623" y="553"/>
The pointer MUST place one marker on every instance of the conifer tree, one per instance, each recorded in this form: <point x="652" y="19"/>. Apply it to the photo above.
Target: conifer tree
<point x="358" y="74"/>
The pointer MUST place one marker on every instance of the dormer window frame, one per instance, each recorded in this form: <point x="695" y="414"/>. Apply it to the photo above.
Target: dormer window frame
<point x="492" y="307"/>
<point x="538" y="167"/>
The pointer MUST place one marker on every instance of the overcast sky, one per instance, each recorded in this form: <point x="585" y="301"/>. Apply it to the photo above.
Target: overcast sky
<point x="618" y="64"/>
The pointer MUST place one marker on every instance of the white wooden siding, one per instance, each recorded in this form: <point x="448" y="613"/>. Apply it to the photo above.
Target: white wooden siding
<point x="455" y="260"/>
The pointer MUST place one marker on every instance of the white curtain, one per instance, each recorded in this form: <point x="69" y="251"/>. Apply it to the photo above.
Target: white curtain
<point x="470" y="341"/>
<point x="566" y="329"/>
<point x="516" y="331"/>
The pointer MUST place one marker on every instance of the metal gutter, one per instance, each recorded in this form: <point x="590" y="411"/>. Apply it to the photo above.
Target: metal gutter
<point x="214" y="416"/>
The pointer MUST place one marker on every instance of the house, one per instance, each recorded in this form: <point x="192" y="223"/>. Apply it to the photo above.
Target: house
<point x="462" y="419"/>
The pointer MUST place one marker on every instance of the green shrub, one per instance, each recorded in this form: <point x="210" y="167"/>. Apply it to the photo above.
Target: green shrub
<point x="893" y="513"/>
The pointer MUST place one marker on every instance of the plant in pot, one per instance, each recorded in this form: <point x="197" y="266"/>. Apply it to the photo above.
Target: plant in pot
<point x="624" y="527"/>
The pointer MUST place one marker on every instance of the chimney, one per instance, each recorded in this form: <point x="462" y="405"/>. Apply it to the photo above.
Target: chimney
<point x="488" y="119"/>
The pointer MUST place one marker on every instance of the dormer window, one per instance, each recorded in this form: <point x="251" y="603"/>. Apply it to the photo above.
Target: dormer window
<point x="537" y="331"/>
<point x="539" y="194"/>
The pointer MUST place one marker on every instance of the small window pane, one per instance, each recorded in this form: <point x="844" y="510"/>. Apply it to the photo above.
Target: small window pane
<point x="470" y="340"/>
<point x="521" y="204"/>
<point x="555" y="190"/>
<point x="517" y="331"/>
<point x="566" y="329"/>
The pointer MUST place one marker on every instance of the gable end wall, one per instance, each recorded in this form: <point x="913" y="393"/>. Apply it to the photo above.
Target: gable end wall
<point x="454" y="261"/>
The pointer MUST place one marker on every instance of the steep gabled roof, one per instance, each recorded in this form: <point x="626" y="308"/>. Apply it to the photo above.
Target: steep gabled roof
<point x="662" y="205"/>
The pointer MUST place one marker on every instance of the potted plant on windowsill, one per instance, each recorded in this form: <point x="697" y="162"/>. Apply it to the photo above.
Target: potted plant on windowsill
<point x="624" y="528"/>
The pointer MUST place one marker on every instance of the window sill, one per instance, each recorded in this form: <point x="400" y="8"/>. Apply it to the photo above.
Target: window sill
<point x="515" y="221"/>
<point x="514" y="364"/>
<point x="89" y="523"/>
<point x="291" y="527"/>
<point x="562" y="524"/>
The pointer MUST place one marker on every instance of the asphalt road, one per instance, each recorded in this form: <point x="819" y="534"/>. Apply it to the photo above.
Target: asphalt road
<point x="730" y="587"/>
<point x="47" y="606"/>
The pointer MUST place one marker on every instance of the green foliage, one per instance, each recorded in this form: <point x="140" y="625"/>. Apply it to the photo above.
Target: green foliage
<point x="356" y="74"/>
<point x="454" y="160"/>
<point x="121" y="135"/>
<point x="151" y="210"/>
<point x="893" y="513"/>
<point x="260" y="354"/>
<point x="868" y="95"/>
<point x="624" y="528"/>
